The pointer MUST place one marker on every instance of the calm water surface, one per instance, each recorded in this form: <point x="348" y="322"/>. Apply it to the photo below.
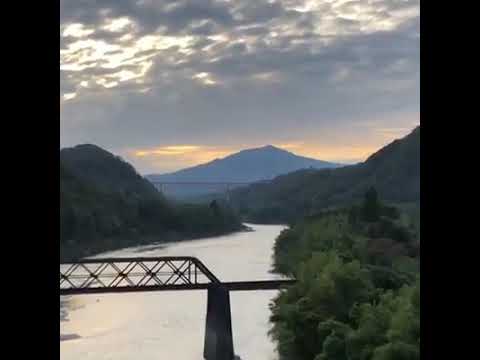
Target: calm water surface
<point x="171" y="325"/>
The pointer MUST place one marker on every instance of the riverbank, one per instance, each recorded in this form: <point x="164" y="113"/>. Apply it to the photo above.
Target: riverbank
<point x="97" y="246"/>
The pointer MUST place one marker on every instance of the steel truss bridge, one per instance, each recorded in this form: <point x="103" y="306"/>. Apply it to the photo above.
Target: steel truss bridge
<point x="121" y="275"/>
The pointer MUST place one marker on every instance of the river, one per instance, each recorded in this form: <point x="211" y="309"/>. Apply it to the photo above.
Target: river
<point x="171" y="325"/>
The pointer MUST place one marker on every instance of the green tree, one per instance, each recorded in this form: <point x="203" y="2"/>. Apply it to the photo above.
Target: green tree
<point x="215" y="208"/>
<point x="357" y="295"/>
<point x="371" y="205"/>
<point x="326" y="289"/>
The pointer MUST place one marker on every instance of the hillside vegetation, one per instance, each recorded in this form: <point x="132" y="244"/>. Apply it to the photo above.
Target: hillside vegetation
<point x="394" y="171"/>
<point x="358" y="291"/>
<point x="105" y="204"/>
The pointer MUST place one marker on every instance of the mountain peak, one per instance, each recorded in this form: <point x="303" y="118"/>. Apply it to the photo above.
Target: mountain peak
<point x="264" y="148"/>
<point x="249" y="165"/>
<point x="270" y="147"/>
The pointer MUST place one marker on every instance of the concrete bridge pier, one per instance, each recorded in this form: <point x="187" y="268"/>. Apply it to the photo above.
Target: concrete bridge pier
<point x="218" y="328"/>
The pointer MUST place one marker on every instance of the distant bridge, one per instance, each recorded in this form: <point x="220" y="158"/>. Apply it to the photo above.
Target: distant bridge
<point x="225" y="186"/>
<point x="208" y="183"/>
<point x="212" y="183"/>
<point x="120" y="275"/>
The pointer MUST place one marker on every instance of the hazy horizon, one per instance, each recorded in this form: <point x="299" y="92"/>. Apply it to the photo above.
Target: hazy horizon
<point x="227" y="154"/>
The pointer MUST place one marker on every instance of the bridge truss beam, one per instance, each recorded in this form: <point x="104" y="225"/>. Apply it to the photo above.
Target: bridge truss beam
<point x="120" y="275"/>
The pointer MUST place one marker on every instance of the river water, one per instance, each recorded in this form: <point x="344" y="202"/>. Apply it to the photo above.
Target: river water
<point x="171" y="325"/>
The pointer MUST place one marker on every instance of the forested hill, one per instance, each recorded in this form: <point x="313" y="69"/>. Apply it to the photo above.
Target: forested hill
<point x="394" y="171"/>
<point x="357" y="294"/>
<point x="108" y="172"/>
<point x="105" y="204"/>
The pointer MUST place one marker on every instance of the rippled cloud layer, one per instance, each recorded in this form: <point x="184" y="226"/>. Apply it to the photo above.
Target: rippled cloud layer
<point x="152" y="74"/>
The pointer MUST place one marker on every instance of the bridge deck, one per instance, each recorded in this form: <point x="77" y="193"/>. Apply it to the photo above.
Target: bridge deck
<point x="231" y="286"/>
<point x="141" y="274"/>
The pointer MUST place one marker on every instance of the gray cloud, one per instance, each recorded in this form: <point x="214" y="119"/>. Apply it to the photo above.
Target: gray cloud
<point x="148" y="15"/>
<point x="236" y="72"/>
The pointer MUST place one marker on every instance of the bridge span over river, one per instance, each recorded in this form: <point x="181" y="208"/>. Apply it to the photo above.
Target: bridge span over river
<point x="121" y="275"/>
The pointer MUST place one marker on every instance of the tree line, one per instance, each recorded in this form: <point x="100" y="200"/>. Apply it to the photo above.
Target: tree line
<point x="357" y="295"/>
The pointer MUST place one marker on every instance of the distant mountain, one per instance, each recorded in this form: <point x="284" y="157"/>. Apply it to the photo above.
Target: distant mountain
<point x="394" y="171"/>
<point x="246" y="166"/>
<point x="105" y="204"/>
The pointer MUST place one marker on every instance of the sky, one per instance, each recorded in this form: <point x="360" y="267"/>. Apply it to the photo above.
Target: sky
<point x="170" y="84"/>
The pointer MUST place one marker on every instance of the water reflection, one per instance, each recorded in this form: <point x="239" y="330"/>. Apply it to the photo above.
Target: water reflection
<point x="170" y="325"/>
